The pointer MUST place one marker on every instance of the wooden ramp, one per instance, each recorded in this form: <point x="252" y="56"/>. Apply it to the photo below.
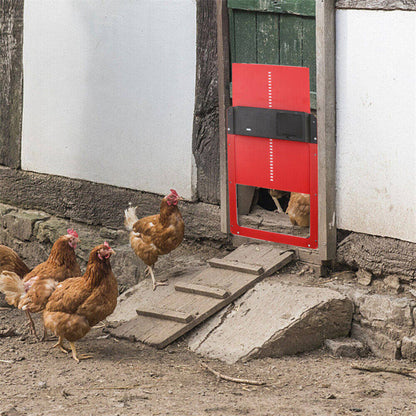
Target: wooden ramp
<point x="164" y="316"/>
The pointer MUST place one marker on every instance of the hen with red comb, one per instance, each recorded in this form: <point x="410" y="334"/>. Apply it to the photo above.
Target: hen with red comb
<point x="157" y="234"/>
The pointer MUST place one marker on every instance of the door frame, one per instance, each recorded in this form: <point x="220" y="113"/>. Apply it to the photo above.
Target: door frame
<point x="325" y="84"/>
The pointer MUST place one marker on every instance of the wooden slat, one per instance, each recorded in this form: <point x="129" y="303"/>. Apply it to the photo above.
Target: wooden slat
<point x="162" y="313"/>
<point x="268" y="38"/>
<point x="309" y="55"/>
<point x="212" y="292"/>
<point x="245" y="37"/>
<point x="300" y="7"/>
<point x="236" y="265"/>
<point x="291" y="30"/>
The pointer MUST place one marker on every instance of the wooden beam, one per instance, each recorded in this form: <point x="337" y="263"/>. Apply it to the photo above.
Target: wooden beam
<point x="11" y="81"/>
<point x="212" y="292"/>
<point x="377" y="4"/>
<point x="237" y="266"/>
<point x="325" y="63"/>
<point x="223" y="103"/>
<point x="162" y="313"/>
<point x="205" y="146"/>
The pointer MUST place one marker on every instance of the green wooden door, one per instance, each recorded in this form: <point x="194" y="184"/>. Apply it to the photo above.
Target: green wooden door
<point x="280" y="32"/>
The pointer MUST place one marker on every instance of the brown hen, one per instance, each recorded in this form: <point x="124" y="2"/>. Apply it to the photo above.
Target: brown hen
<point x="32" y="292"/>
<point x="157" y="234"/>
<point x="79" y="303"/>
<point x="298" y="209"/>
<point x="10" y="261"/>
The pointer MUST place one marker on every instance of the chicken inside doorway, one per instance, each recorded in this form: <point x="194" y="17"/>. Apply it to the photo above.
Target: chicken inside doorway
<point x="273" y="210"/>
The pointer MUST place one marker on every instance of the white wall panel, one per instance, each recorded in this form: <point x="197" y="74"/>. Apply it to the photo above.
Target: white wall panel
<point x="109" y="91"/>
<point x="376" y="122"/>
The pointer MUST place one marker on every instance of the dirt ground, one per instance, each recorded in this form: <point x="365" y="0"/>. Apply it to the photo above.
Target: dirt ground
<point x="125" y="378"/>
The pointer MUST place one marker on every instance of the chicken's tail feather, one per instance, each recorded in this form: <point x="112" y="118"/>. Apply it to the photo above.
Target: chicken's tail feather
<point x="130" y="218"/>
<point x="11" y="285"/>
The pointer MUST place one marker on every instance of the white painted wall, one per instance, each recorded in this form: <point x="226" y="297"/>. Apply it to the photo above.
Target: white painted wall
<point x="376" y="122"/>
<point x="109" y="91"/>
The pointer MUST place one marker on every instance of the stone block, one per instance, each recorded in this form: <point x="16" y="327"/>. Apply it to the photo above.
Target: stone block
<point x="379" y="344"/>
<point x="387" y="309"/>
<point x="346" y="347"/>
<point x="127" y="267"/>
<point x="364" y="277"/>
<point x="19" y="224"/>
<point x="108" y="234"/>
<point x="408" y="349"/>
<point x="49" y="231"/>
<point x="393" y="282"/>
<point x="4" y="209"/>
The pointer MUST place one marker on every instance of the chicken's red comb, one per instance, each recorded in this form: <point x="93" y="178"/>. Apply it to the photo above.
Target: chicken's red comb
<point x="72" y="232"/>
<point x="174" y="192"/>
<point x="106" y="245"/>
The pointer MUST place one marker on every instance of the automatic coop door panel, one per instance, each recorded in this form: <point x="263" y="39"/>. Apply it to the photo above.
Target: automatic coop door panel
<point x="272" y="155"/>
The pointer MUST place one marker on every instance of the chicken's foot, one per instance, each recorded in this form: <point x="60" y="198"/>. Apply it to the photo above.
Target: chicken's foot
<point x="279" y="208"/>
<point x="60" y="345"/>
<point x="149" y="270"/>
<point x="32" y="325"/>
<point x="76" y="357"/>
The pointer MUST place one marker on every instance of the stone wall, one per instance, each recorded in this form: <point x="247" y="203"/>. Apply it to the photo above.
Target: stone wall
<point x="384" y="322"/>
<point x="32" y="233"/>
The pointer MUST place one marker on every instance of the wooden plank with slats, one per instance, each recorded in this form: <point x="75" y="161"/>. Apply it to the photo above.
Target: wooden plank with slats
<point x="158" y="329"/>
<point x="203" y="290"/>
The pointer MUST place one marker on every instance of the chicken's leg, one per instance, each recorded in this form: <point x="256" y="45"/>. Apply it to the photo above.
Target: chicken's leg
<point x="149" y="270"/>
<point x="76" y="357"/>
<point x="31" y="324"/>
<point x="59" y="344"/>
<point x="279" y="208"/>
<point x="45" y="333"/>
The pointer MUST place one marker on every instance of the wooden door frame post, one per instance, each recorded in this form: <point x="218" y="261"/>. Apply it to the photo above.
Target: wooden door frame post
<point x="224" y="102"/>
<point x="325" y="82"/>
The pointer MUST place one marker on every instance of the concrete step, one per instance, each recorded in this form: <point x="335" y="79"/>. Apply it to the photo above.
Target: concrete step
<point x="271" y="320"/>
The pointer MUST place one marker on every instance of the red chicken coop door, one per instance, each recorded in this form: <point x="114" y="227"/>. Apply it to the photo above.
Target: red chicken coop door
<point x="272" y="142"/>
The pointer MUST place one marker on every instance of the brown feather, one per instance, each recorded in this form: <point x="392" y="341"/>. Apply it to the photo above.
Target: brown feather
<point x="298" y="209"/>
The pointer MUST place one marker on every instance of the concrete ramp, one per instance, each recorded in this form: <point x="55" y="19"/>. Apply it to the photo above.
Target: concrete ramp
<point x="274" y="319"/>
